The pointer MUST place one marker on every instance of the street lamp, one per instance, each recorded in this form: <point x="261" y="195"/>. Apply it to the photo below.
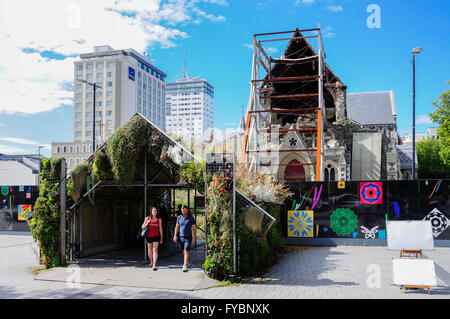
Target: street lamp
<point x="39" y="166"/>
<point x="95" y="86"/>
<point x="414" y="52"/>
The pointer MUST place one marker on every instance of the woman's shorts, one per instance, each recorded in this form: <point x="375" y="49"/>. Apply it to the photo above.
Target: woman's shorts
<point x="150" y="240"/>
<point x="184" y="243"/>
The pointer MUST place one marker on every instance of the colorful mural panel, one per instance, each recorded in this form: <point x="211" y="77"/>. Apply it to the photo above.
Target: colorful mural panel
<point x="301" y="223"/>
<point x="371" y="193"/>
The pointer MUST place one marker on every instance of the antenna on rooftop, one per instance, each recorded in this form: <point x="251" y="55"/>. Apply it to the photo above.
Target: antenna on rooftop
<point x="184" y="73"/>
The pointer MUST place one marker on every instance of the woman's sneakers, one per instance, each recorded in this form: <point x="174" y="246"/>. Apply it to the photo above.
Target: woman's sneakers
<point x="185" y="268"/>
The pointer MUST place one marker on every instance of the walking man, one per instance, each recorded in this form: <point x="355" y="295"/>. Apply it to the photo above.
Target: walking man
<point x="184" y="229"/>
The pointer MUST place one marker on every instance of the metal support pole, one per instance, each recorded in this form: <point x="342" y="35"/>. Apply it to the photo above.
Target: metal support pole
<point x="234" y="217"/>
<point x="320" y="114"/>
<point x="93" y="118"/>
<point x="62" y="221"/>
<point x="145" y="199"/>
<point x="414" y="119"/>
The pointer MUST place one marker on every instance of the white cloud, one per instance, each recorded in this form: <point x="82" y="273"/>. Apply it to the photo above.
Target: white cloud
<point x="334" y="8"/>
<point x="423" y="119"/>
<point x="328" y="32"/>
<point x="30" y="83"/>
<point x="9" y="149"/>
<point x="248" y="45"/>
<point x="17" y="140"/>
<point x="307" y="2"/>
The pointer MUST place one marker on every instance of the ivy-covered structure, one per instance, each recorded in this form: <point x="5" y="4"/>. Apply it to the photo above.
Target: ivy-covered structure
<point x="136" y="168"/>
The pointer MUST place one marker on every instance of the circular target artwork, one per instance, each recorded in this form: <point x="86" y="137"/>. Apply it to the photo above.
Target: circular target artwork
<point x="343" y="221"/>
<point x="371" y="193"/>
<point x="439" y="221"/>
<point x="4" y="190"/>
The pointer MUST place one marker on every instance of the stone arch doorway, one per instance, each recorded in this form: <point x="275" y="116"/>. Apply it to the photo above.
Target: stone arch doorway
<point x="294" y="172"/>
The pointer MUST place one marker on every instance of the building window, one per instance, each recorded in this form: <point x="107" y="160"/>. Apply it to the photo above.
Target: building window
<point x="99" y="76"/>
<point x="108" y="113"/>
<point x="109" y="74"/>
<point x="78" y="96"/>
<point x="89" y="66"/>
<point x="330" y="173"/>
<point x="88" y="114"/>
<point x="109" y="122"/>
<point x="78" y="105"/>
<point x="88" y="133"/>
<point x="109" y="84"/>
<point x="58" y="149"/>
<point x="78" y="115"/>
<point x="79" y="67"/>
<point x="109" y="65"/>
<point x="78" y="125"/>
<point x="108" y="103"/>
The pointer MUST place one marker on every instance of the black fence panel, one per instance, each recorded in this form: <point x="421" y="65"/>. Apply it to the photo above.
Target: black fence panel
<point x="16" y="203"/>
<point x="360" y="209"/>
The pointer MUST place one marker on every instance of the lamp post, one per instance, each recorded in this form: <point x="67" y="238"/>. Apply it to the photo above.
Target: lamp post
<point x="414" y="52"/>
<point x="94" y="86"/>
<point x="39" y="165"/>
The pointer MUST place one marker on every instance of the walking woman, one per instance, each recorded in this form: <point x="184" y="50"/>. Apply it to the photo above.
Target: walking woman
<point x="154" y="236"/>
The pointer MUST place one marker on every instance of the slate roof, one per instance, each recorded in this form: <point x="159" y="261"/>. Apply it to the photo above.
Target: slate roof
<point x="405" y="155"/>
<point x="372" y="108"/>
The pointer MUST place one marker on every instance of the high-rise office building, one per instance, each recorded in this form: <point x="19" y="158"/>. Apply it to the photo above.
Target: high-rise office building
<point x="130" y="84"/>
<point x="189" y="108"/>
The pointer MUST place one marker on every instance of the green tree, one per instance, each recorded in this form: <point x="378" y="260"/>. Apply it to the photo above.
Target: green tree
<point x="430" y="162"/>
<point x="441" y="116"/>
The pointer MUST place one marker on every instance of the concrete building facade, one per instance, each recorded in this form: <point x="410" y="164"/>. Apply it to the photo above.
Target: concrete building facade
<point x="189" y="108"/>
<point x="130" y="84"/>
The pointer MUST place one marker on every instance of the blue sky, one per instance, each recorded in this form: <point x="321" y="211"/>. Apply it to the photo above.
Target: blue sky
<point x="216" y="35"/>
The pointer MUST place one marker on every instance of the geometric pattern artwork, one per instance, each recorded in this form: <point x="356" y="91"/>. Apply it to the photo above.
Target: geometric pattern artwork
<point x="300" y="223"/>
<point x="343" y="221"/>
<point x="439" y="221"/>
<point x="5" y="190"/>
<point x="341" y="185"/>
<point x="24" y="211"/>
<point x="371" y="193"/>
<point x="369" y="233"/>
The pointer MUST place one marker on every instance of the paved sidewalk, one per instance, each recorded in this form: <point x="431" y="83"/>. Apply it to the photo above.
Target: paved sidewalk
<point x="320" y="272"/>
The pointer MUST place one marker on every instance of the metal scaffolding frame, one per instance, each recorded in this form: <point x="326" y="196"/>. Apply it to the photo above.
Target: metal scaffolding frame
<point x="260" y="108"/>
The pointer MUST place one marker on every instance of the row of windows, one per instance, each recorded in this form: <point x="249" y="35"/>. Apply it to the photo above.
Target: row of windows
<point x="147" y="69"/>
<point x="78" y="115"/>
<point x="99" y="66"/>
<point x="109" y="84"/>
<point x="89" y="123"/>
<point x="71" y="149"/>
<point x="89" y="133"/>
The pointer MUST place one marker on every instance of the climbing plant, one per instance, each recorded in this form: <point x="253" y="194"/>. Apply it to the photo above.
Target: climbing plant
<point x="219" y="261"/>
<point x="45" y="220"/>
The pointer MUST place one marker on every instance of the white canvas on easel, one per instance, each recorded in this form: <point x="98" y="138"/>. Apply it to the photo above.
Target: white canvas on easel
<point x="409" y="235"/>
<point x="413" y="272"/>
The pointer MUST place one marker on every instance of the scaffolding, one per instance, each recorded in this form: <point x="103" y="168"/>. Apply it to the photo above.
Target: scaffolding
<point x="303" y="97"/>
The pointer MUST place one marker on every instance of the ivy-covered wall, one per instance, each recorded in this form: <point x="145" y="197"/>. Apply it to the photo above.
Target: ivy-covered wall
<point x="45" y="220"/>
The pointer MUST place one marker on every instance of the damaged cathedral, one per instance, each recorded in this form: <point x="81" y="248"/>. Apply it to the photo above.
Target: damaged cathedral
<point x="302" y="125"/>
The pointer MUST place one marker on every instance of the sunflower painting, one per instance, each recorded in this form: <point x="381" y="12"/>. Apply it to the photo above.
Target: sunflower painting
<point x="300" y="223"/>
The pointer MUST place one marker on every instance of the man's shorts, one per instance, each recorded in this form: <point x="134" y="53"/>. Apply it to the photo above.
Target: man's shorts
<point x="184" y="243"/>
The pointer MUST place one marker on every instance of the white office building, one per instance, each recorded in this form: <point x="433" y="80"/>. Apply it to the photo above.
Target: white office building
<point x="130" y="84"/>
<point x="189" y="108"/>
